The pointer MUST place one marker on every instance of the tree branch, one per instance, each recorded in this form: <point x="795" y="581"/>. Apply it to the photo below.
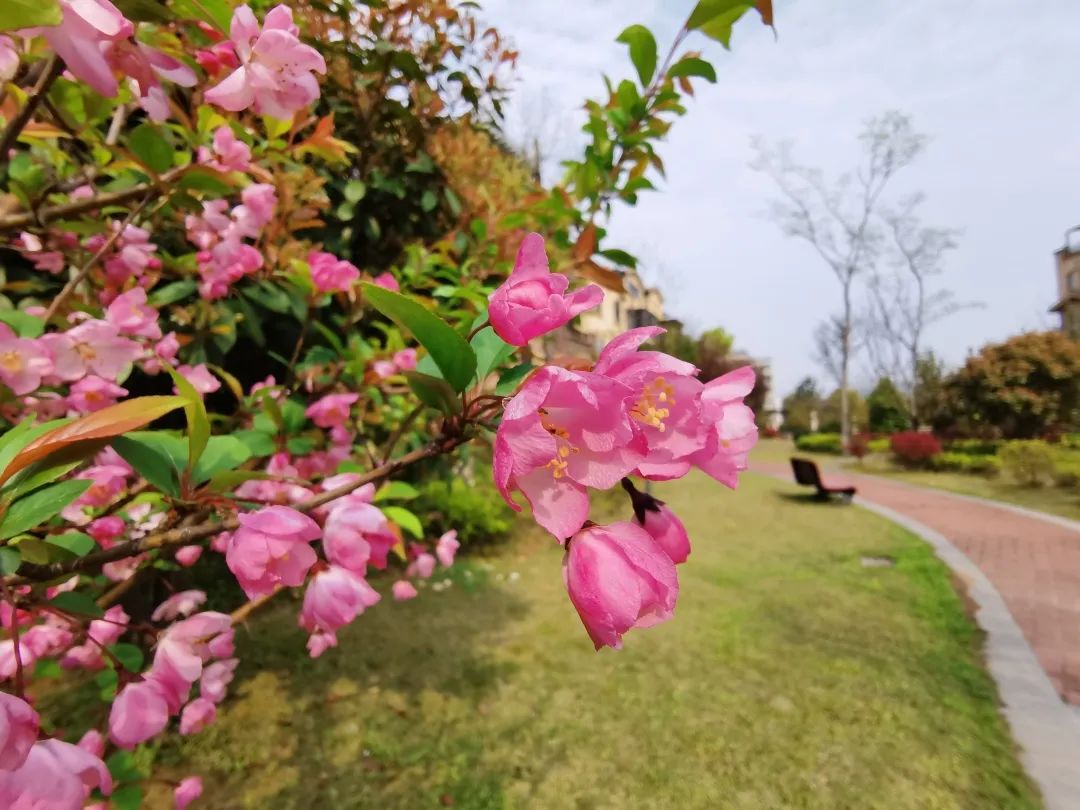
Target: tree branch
<point x="53" y="68"/>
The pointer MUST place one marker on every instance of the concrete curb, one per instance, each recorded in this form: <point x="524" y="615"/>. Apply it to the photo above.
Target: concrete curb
<point x="1046" y="728"/>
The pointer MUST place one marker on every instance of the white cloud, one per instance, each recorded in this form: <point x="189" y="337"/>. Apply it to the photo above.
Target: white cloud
<point x="993" y="83"/>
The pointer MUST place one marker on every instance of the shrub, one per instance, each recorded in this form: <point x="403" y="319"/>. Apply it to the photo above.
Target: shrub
<point x="858" y="446"/>
<point x="476" y="510"/>
<point x="913" y="448"/>
<point x="970" y="463"/>
<point x="880" y="445"/>
<point x="1066" y="466"/>
<point x="1029" y="462"/>
<point x="975" y="447"/>
<point x="820" y="443"/>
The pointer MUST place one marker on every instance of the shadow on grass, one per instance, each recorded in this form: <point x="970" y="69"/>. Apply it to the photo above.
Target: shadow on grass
<point x="811" y="498"/>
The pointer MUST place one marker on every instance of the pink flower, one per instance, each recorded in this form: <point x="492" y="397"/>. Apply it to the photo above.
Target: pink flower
<point x="331" y="274"/>
<point x="92" y="743"/>
<point x="618" y="578"/>
<point x="197" y="715"/>
<point x="18" y="731"/>
<point x="423" y="566"/>
<point x="230" y="153"/>
<point x="23" y="362"/>
<point x="83" y="38"/>
<point x="182" y="651"/>
<point x="131" y="255"/>
<point x="562" y="432"/>
<point x="187" y="556"/>
<point x="217" y="58"/>
<point x="165" y="351"/>
<point x="189" y="789"/>
<point x="200" y="377"/>
<point x="106" y="529"/>
<point x="532" y="301"/>
<point x="403" y="590"/>
<point x="447" y="547"/>
<point x="122" y="570"/>
<point x="181" y="603"/>
<point x="356" y="534"/>
<point x="332" y="410"/>
<point x="387" y="282"/>
<point x="9" y="60"/>
<point x="384" y="368"/>
<point x="318" y="643"/>
<point x="667" y="530"/>
<point x="103" y="351"/>
<point x="130" y="315"/>
<point x="138" y="713"/>
<point x="56" y="776"/>
<point x="405" y="359"/>
<point x="732" y="431"/>
<point x="257" y="209"/>
<point x="92" y="393"/>
<point x="145" y="67"/>
<point x="271" y="548"/>
<point x="334" y="598"/>
<point x="275" y="75"/>
<point x="216" y="678"/>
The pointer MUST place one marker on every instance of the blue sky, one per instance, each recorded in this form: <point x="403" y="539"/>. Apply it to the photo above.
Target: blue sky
<point x="995" y="84"/>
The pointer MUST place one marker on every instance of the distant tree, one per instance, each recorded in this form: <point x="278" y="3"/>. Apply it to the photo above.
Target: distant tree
<point x="798" y="405"/>
<point x="676" y="342"/>
<point x="886" y="409"/>
<point x="712" y="350"/>
<point x="839" y="219"/>
<point x="832" y="410"/>
<point x="1018" y="389"/>
<point x="930" y="390"/>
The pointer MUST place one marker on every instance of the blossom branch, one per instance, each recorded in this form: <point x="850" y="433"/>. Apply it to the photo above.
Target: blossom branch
<point x="53" y="68"/>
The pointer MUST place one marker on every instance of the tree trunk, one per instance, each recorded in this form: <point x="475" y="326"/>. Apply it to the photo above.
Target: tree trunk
<point x="845" y="355"/>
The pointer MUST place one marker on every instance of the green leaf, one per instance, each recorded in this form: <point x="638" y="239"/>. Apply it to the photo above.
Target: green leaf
<point x="300" y="445"/>
<point x="200" y="178"/>
<point x="269" y="296"/>
<point x="128" y="797"/>
<point x="154" y="457"/>
<point x="54" y="466"/>
<point x="258" y="443"/>
<point x="171" y="293"/>
<point x="40" y="506"/>
<point x="355" y="190"/>
<point x="715" y="18"/>
<point x="198" y="421"/>
<point x="222" y="453"/>
<point x="447" y="348"/>
<point x="77" y="543"/>
<point x="147" y="142"/>
<point x="230" y="479"/>
<point x="15" y="14"/>
<point x="620" y="257"/>
<point x="24" y="324"/>
<point x="642" y="51"/>
<point x="510" y="379"/>
<point x="433" y="392"/>
<point x="122" y="767"/>
<point x="10" y="560"/>
<point x="491" y="352"/>
<point x="693" y="66"/>
<point x="129" y="656"/>
<point x="405" y="519"/>
<point x="76" y="602"/>
<point x="47" y="668"/>
<point x="396" y="491"/>
<point x="107" y="680"/>
<point x="216" y="12"/>
<point x="145" y="10"/>
<point x="428" y="201"/>
<point x="21" y="435"/>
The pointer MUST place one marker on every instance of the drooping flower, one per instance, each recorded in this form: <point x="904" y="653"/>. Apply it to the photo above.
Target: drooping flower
<point x="9" y="60"/>
<point x="18" y="730"/>
<point x="189" y="789"/>
<point x="83" y="38"/>
<point x="56" y="776"/>
<point x="138" y="713"/>
<point x="131" y="315"/>
<point x="256" y="209"/>
<point x="405" y="359"/>
<point x="187" y="556"/>
<point x="200" y="378"/>
<point x="403" y="590"/>
<point x="387" y="282"/>
<point x="618" y="578"/>
<point x="102" y="349"/>
<point x="667" y="530"/>
<point x="106" y="529"/>
<point x="197" y="715"/>
<point x="272" y="547"/>
<point x="181" y="603"/>
<point x="145" y="67"/>
<point x="334" y="598"/>
<point x="562" y="432"/>
<point x="275" y="74"/>
<point x="447" y="547"/>
<point x="331" y="274"/>
<point x="357" y="534"/>
<point x="216" y="678"/>
<point x="533" y="300"/>
<point x="92" y="393"/>
<point x="332" y="410"/>
<point x="422" y="566"/>
<point x="732" y="430"/>
<point x="23" y="362"/>
<point x="230" y="154"/>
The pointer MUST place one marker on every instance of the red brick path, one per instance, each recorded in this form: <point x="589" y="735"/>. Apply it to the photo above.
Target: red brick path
<point x="1034" y="564"/>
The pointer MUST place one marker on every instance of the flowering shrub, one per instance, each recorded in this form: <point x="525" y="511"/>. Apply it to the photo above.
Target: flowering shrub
<point x="914" y="448"/>
<point x="1030" y="463"/>
<point x="168" y="172"/>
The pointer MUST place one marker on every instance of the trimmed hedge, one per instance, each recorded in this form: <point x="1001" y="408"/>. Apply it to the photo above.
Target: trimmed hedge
<point x="820" y="443"/>
<point x="970" y="463"/>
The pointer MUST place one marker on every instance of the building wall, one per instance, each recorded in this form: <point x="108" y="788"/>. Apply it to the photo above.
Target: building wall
<point x="1068" y="282"/>
<point x="614" y="316"/>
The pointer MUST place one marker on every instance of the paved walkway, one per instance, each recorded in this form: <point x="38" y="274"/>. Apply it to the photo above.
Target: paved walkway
<point x="1033" y="562"/>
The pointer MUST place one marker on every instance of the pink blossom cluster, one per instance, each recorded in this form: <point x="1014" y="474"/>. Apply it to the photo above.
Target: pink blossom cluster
<point x="224" y="256"/>
<point x="636" y="413"/>
<point x="403" y="360"/>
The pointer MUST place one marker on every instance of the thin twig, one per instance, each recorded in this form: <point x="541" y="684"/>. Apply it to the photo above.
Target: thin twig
<point x="53" y="69"/>
<point x="84" y="271"/>
<point x="395" y="437"/>
<point x="245" y="610"/>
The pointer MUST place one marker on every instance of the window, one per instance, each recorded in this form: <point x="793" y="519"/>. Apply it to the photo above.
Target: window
<point x="1073" y="281"/>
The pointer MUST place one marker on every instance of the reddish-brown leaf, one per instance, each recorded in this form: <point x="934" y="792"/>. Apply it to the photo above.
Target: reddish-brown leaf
<point x="107" y="423"/>
<point x="764" y="8"/>
<point x="585" y="246"/>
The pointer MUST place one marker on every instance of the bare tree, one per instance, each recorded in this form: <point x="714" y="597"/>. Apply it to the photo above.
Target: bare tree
<point x="902" y="304"/>
<point x="839" y="218"/>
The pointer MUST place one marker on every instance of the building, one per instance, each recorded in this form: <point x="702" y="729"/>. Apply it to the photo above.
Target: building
<point x="1068" y="284"/>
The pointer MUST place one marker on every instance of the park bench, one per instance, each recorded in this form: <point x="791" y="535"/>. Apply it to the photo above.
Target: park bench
<point x="808" y="474"/>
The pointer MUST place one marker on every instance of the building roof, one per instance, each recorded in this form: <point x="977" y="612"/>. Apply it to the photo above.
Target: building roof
<point x="1072" y="298"/>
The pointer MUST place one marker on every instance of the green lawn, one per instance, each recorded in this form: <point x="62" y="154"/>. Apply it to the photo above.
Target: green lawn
<point x="791" y="676"/>
<point x="1055" y="500"/>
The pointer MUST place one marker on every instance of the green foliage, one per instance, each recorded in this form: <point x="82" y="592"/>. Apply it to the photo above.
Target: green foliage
<point x="970" y="463"/>
<point x="820" y="443"/>
<point x="40" y="506"/>
<point x="886" y="410"/>
<point x="642" y="51"/>
<point x="798" y="407"/>
<point x="475" y="510"/>
<point x="1030" y="463"/>
<point x="857" y="412"/>
<point x="16" y="14"/>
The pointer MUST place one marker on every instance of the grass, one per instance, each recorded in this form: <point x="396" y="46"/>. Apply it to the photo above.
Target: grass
<point x="1055" y="500"/>
<point x="791" y="676"/>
